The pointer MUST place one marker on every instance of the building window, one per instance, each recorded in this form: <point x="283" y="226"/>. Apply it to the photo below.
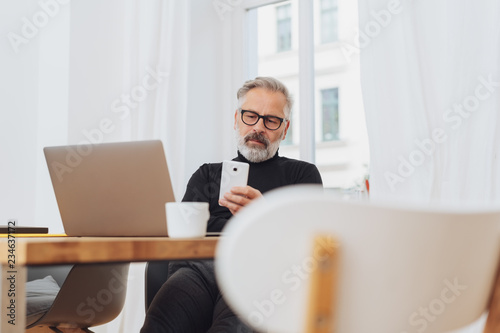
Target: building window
<point x="329" y="18"/>
<point x="330" y="114"/>
<point x="284" y="27"/>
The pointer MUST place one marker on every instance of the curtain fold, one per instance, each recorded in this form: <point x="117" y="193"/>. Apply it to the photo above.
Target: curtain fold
<point x="430" y="77"/>
<point x="107" y="71"/>
<point x="154" y="45"/>
<point x="431" y="88"/>
<point x="129" y="65"/>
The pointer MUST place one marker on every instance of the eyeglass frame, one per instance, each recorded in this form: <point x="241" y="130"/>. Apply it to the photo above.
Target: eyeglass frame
<point x="264" y="119"/>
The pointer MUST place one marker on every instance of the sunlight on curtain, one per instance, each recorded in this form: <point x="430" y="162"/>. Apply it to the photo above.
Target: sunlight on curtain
<point x="139" y="72"/>
<point x="105" y="71"/>
<point x="431" y="87"/>
<point x="137" y="83"/>
<point x="94" y="71"/>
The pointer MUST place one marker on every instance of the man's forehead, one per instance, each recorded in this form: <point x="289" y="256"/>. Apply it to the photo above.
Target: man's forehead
<point x="261" y="100"/>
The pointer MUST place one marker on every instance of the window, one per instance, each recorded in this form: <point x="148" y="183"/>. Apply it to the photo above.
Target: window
<point x="315" y="71"/>
<point x="272" y="22"/>
<point x="330" y="114"/>
<point x="329" y="26"/>
<point x="284" y="27"/>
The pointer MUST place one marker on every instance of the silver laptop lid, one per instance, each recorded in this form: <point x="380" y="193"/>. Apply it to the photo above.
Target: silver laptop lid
<point x="111" y="189"/>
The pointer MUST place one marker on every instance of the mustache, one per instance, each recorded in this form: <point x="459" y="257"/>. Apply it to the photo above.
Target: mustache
<point x="258" y="137"/>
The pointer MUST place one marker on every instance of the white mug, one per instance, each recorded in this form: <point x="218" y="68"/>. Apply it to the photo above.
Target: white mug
<point x="187" y="219"/>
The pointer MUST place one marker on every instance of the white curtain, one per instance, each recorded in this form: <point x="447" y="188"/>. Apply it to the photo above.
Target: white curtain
<point x="128" y="66"/>
<point x="430" y="73"/>
<point x="104" y="71"/>
<point x="431" y="87"/>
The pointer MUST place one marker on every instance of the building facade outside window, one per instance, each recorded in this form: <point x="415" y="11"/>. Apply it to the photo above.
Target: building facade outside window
<point x="341" y="145"/>
<point x="330" y="114"/>
<point x="329" y="21"/>
<point x="284" y="27"/>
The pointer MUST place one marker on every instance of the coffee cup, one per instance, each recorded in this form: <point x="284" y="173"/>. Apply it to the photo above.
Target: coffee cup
<point x="187" y="219"/>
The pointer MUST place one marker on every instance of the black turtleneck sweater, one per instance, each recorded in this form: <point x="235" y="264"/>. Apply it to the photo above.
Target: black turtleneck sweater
<point x="276" y="172"/>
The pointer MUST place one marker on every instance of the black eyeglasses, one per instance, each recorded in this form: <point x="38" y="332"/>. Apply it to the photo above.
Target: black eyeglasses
<point x="251" y="118"/>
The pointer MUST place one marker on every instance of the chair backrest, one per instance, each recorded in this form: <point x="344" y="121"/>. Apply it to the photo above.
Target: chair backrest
<point x="91" y="295"/>
<point x="401" y="269"/>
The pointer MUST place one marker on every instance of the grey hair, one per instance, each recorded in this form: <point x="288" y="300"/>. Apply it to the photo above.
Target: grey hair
<point x="270" y="84"/>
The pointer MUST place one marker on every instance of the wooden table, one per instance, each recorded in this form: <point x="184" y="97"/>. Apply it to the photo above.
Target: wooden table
<point x="73" y="250"/>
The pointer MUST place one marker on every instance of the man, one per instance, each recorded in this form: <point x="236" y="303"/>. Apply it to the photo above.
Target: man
<point x="190" y="300"/>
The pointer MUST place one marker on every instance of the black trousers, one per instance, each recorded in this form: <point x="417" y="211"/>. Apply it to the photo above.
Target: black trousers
<point x="190" y="302"/>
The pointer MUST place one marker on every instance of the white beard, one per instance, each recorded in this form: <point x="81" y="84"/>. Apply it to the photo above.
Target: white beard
<point x="256" y="154"/>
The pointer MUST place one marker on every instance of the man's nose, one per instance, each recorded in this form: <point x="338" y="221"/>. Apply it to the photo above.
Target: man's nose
<point x="259" y="127"/>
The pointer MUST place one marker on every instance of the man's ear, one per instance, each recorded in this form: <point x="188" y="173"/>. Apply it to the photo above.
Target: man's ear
<point x="235" y="119"/>
<point x="286" y="129"/>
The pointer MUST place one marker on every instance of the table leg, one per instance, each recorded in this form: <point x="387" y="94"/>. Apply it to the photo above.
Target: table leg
<point x="13" y="294"/>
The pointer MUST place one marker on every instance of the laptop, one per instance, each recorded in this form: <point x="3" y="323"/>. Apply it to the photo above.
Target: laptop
<point x="111" y="189"/>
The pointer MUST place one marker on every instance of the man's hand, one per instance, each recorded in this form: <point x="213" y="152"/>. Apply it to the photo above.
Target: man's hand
<point x="239" y="197"/>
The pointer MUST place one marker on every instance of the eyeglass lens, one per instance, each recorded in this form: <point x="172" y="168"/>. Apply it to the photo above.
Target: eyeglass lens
<point x="251" y="118"/>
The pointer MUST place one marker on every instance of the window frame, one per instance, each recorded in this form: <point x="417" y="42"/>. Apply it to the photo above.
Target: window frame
<point x="244" y="55"/>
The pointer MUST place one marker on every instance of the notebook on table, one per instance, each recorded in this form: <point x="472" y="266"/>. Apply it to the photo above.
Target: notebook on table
<point x="4" y="229"/>
<point x="111" y="189"/>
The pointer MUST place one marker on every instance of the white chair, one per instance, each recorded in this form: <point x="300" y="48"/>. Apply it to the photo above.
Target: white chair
<point x="400" y="269"/>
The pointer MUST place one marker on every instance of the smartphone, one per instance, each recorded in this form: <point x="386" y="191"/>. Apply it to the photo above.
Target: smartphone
<point x="233" y="174"/>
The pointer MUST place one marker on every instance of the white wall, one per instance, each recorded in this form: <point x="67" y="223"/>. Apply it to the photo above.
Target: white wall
<point x="33" y="89"/>
<point x="17" y="123"/>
